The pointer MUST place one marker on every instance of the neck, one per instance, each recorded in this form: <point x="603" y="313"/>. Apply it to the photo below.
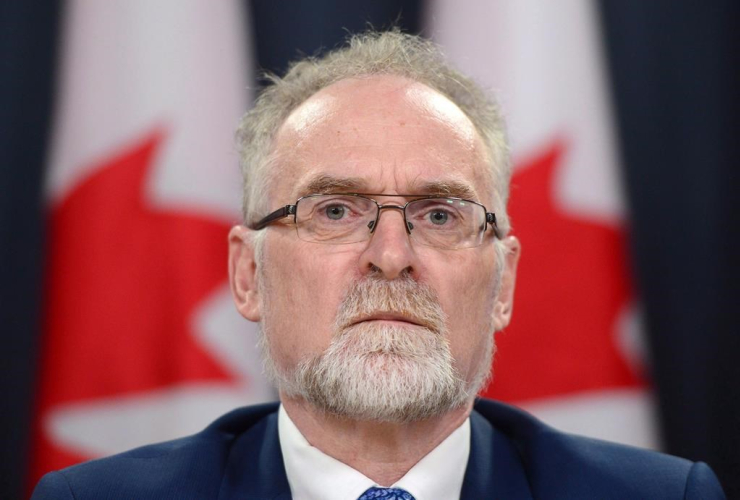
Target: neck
<point x="382" y="451"/>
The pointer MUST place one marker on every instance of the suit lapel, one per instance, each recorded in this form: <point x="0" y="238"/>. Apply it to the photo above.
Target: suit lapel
<point x="255" y="469"/>
<point x="495" y="469"/>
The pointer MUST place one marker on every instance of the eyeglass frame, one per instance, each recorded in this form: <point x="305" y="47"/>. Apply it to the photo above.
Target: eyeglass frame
<point x="289" y="210"/>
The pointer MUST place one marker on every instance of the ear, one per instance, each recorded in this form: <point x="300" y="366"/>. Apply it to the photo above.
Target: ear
<point x="243" y="273"/>
<point x="504" y="305"/>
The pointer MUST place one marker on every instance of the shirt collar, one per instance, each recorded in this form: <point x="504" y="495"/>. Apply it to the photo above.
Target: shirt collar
<point x="314" y="475"/>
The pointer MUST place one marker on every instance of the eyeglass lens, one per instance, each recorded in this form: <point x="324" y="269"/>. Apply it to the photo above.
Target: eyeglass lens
<point x="437" y="222"/>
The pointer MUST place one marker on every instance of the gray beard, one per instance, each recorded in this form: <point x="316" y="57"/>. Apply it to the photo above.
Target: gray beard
<point x="383" y="372"/>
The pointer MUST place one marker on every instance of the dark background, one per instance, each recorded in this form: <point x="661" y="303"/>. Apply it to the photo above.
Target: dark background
<point x="675" y="87"/>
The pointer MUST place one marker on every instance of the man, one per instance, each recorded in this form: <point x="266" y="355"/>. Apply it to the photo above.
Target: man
<point x="376" y="257"/>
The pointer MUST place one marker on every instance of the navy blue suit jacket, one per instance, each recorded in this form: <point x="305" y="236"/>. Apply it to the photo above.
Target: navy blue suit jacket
<point x="512" y="456"/>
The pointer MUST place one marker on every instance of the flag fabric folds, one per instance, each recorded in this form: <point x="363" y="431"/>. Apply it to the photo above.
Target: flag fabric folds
<point x="141" y="342"/>
<point x="573" y="354"/>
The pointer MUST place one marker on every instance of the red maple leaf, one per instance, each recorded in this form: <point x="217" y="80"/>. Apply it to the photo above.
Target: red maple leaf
<point x="123" y="282"/>
<point x="572" y="284"/>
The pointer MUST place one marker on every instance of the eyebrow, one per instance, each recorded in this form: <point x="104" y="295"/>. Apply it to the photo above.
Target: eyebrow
<point x="327" y="184"/>
<point x="455" y="189"/>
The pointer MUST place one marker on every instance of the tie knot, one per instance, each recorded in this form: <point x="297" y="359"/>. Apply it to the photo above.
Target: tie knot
<point x="386" y="494"/>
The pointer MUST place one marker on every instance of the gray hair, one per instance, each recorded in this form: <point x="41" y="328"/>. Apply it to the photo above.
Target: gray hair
<point x="367" y="54"/>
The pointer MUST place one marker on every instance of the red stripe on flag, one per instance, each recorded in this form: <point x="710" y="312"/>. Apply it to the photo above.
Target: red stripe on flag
<point x="572" y="285"/>
<point x="123" y="282"/>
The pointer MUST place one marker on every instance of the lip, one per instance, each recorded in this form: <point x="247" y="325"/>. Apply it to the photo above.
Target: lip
<point x="389" y="318"/>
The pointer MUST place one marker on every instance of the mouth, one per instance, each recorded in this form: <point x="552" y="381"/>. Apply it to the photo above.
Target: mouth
<point x="390" y="318"/>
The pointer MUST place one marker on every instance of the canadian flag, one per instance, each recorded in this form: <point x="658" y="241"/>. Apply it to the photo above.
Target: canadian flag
<point x="573" y="354"/>
<point x="142" y="342"/>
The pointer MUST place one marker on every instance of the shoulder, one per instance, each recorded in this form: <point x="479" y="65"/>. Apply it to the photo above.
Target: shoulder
<point x="581" y="467"/>
<point x="191" y="467"/>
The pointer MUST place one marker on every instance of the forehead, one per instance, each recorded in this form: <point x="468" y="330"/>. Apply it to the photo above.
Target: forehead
<point x="385" y="134"/>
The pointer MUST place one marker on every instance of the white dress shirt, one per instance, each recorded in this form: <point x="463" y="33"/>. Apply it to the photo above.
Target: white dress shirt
<point x="314" y="475"/>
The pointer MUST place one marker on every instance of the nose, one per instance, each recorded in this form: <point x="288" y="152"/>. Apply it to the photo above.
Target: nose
<point x="389" y="249"/>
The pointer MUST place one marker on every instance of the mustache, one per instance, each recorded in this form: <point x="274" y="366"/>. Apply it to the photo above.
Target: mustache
<point x="402" y="298"/>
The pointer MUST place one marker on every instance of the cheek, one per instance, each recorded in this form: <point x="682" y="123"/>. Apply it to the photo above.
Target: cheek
<point x="468" y="298"/>
<point x="303" y="293"/>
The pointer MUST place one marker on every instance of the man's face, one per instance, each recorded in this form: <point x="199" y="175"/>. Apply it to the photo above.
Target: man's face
<point x="390" y="135"/>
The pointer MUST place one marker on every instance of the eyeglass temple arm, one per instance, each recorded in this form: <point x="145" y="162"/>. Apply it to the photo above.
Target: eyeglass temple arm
<point x="277" y="214"/>
<point x="491" y="219"/>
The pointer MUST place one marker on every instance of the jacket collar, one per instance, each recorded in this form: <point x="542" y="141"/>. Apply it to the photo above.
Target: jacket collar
<point x="255" y="470"/>
<point x="495" y="469"/>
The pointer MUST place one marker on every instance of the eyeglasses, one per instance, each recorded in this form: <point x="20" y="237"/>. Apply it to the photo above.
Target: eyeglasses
<point x="448" y="223"/>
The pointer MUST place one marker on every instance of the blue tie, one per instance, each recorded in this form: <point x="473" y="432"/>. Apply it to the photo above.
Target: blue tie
<point x="386" y="494"/>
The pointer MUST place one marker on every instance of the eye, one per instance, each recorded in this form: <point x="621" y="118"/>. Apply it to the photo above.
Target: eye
<point x="438" y="217"/>
<point x="335" y="212"/>
<point x="332" y="209"/>
<point x="437" y="214"/>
